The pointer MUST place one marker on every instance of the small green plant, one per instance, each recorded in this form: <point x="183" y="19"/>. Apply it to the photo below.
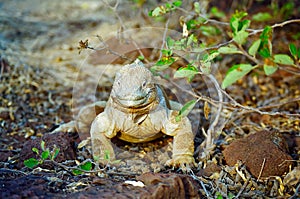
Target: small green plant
<point x="87" y="166"/>
<point x="161" y="10"/>
<point x="199" y="45"/>
<point x="44" y="155"/>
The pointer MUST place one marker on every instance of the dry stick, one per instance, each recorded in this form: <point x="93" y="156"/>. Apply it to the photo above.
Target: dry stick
<point x="274" y="26"/>
<point x="69" y="169"/>
<point x="1" y="67"/>
<point x="211" y="129"/>
<point x="290" y="71"/>
<point x="280" y="104"/>
<point x="253" y="32"/>
<point x="202" y="184"/>
<point x="243" y="188"/>
<point x="251" y="109"/>
<point x="261" y="169"/>
<point x="164" y="36"/>
<point x="198" y="96"/>
<point x="296" y="194"/>
<point x="106" y="47"/>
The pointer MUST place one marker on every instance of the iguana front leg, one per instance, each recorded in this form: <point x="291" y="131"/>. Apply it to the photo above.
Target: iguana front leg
<point x="102" y="130"/>
<point x="83" y="121"/>
<point x="183" y="141"/>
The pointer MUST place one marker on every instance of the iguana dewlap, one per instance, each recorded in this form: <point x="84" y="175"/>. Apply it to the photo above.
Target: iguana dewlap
<point x="137" y="111"/>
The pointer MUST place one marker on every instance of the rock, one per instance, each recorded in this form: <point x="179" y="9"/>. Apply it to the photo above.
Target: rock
<point x="63" y="141"/>
<point x="157" y="185"/>
<point x="168" y="186"/>
<point x="210" y="169"/>
<point x="253" y="150"/>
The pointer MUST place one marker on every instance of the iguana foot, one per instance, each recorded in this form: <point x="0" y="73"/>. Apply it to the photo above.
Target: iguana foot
<point x="184" y="162"/>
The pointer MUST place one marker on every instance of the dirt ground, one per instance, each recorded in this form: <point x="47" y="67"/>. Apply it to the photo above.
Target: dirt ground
<point x="44" y="81"/>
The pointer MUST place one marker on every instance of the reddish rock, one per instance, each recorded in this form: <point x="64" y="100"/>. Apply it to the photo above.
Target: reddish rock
<point x="169" y="186"/>
<point x="63" y="141"/>
<point x="157" y="185"/>
<point x="255" y="148"/>
<point x="210" y="169"/>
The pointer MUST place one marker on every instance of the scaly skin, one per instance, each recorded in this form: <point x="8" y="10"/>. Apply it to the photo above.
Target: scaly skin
<point x="137" y="112"/>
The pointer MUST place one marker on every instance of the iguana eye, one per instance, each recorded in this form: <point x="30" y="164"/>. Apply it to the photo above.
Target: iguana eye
<point x="144" y="83"/>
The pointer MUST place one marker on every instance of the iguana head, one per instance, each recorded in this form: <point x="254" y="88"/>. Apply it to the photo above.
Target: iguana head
<point x="134" y="86"/>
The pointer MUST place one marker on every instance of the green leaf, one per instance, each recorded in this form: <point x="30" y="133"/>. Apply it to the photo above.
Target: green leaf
<point x="234" y="24"/>
<point x="265" y="49"/>
<point x="244" y="25"/>
<point x="43" y="145"/>
<point x="219" y="195"/>
<point x="197" y="7"/>
<point x="192" y="24"/>
<point x="217" y="13"/>
<point x="177" y="3"/>
<point x="55" y="154"/>
<point x="293" y="50"/>
<point x="107" y="155"/>
<point x="141" y="57"/>
<point x="35" y="150"/>
<point x="31" y="162"/>
<point x="186" y="109"/>
<point x="261" y="16"/>
<point x="269" y="69"/>
<point x="205" y="68"/>
<point x="296" y="36"/>
<point x="235" y="73"/>
<point x="168" y="6"/>
<point x="283" y="59"/>
<point x="211" y="56"/>
<point x="163" y="64"/>
<point x="45" y="154"/>
<point x="157" y="68"/>
<point x="230" y="195"/>
<point x="170" y="42"/>
<point x="266" y="34"/>
<point x="86" y="166"/>
<point x="188" y="72"/>
<point x="156" y="12"/>
<point x="191" y="40"/>
<point x="209" y="30"/>
<point x="264" y="52"/>
<point x="241" y="37"/>
<point x="254" y="48"/>
<point x="231" y="49"/>
<point x="166" y="52"/>
<point x="76" y="172"/>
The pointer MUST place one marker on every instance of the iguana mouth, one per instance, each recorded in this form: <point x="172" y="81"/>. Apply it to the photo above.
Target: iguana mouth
<point x="135" y="102"/>
<point x="132" y="102"/>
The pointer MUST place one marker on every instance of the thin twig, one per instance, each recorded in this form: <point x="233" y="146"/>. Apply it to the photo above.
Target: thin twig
<point x="261" y="169"/>
<point x="243" y="188"/>
<point x="164" y="36"/>
<point x="296" y="194"/>
<point x="248" y="56"/>
<point x="106" y="47"/>
<point x="211" y="129"/>
<point x="12" y="171"/>
<point x="251" y="109"/>
<point x="201" y="183"/>
<point x="253" y="32"/>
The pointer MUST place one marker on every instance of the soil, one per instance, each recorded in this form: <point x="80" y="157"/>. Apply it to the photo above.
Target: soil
<point x="45" y="80"/>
